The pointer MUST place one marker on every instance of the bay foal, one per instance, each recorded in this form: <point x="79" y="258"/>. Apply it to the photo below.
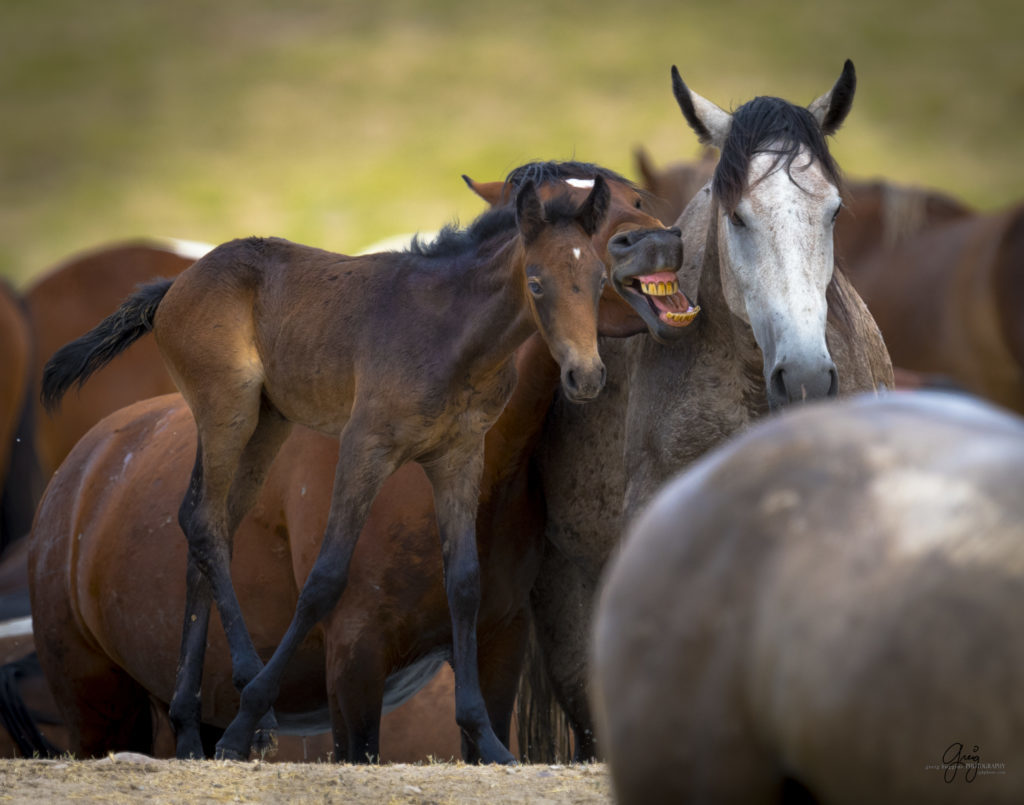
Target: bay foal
<point x="406" y="356"/>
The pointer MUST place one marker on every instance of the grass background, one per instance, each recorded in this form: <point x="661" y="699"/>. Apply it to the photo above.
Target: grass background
<point x="339" y="123"/>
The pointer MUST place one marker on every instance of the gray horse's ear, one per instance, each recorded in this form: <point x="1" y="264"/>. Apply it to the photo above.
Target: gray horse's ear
<point x="529" y="212"/>
<point x="709" y="122"/>
<point x="831" y="109"/>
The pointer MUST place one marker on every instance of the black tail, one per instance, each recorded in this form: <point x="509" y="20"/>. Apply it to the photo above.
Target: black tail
<point x="15" y="715"/>
<point x="76" y="361"/>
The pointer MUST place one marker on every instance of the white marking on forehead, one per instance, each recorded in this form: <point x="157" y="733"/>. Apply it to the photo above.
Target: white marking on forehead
<point x="580" y="182"/>
<point x="189" y="249"/>
<point x="576" y="253"/>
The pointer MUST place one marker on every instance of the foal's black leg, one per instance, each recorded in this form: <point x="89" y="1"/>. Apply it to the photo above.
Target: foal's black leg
<point x="456" y="483"/>
<point x="209" y="575"/>
<point x="365" y="462"/>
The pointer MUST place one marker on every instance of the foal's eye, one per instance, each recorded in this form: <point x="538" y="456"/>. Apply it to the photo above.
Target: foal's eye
<point x="535" y="287"/>
<point x="638" y="204"/>
<point x="835" y="215"/>
<point x="737" y="220"/>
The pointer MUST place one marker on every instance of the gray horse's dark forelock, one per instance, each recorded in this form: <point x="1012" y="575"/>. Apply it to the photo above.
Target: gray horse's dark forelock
<point x="773" y="126"/>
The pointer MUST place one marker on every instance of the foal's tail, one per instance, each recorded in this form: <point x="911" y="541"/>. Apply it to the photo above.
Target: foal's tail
<point x="77" y="360"/>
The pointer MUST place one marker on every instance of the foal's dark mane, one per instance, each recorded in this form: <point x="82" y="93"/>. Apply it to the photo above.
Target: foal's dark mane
<point x="453" y="241"/>
<point x="758" y="124"/>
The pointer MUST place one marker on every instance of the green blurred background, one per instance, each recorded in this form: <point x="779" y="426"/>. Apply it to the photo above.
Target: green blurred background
<point x="339" y="123"/>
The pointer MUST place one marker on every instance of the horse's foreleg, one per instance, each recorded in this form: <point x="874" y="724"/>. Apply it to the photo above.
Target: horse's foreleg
<point x="364" y="464"/>
<point x="456" y="483"/>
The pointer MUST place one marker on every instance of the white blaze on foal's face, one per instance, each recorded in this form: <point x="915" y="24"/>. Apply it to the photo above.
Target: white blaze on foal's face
<point x="777" y="249"/>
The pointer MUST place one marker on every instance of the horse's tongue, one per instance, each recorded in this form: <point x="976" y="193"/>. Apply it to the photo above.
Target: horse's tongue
<point x="676" y="303"/>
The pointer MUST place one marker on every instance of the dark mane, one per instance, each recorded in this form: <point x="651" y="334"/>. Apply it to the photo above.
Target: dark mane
<point x="452" y="241"/>
<point x="761" y="123"/>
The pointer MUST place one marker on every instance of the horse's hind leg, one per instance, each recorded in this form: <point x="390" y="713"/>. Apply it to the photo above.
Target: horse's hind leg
<point x="456" y="483"/>
<point x="366" y="460"/>
<point x="500" y="660"/>
<point x="253" y="465"/>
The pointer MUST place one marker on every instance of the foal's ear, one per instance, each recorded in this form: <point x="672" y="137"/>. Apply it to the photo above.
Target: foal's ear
<point x="591" y="213"/>
<point x="529" y="212"/>
<point x="494" y="193"/>
<point x="709" y="122"/>
<point x="831" y="109"/>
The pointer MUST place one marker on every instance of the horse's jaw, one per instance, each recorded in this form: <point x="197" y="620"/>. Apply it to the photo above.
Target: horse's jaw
<point x="645" y="262"/>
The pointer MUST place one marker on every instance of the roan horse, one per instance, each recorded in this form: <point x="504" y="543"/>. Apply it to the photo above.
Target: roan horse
<point x="832" y="607"/>
<point x="778" y="325"/>
<point x="877" y="215"/>
<point x="401" y="526"/>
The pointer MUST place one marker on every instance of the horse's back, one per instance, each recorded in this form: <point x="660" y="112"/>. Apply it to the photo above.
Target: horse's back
<point x="853" y="619"/>
<point x="948" y="302"/>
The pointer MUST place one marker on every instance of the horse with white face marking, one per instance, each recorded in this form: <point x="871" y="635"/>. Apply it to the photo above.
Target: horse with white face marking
<point x="778" y="325"/>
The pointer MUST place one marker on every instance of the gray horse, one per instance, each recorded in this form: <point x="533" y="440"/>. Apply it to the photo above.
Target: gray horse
<point x="829" y="604"/>
<point x="777" y="325"/>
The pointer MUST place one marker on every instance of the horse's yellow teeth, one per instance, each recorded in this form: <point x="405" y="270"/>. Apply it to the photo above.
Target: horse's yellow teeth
<point x="659" y="288"/>
<point x="682" y="318"/>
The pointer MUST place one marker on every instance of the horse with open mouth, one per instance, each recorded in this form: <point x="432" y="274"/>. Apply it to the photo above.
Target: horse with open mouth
<point x="778" y="325"/>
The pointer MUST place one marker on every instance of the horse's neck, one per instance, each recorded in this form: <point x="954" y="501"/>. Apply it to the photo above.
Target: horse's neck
<point x="501" y="317"/>
<point x="514" y="436"/>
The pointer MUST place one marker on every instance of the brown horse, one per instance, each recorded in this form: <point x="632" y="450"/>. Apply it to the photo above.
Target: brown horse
<point x="831" y="606"/>
<point x="949" y="302"/>
<point x="778" y="325"/>
<point x="401" y="523"/>
<point x="66" y="302"/>
<point x="16" y="501"/>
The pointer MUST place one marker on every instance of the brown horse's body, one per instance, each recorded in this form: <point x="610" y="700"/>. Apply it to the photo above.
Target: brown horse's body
<point x="831" y="605"/>
<point x="15" y="361"/>
<point x="663" y="407"/>
<point x="121" y="650"/>
<point x="504" y="486"/>
<point x="949" y="302"/>
<point x="65" y="302"/>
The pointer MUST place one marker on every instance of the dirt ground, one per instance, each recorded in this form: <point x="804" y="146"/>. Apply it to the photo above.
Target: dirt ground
<point x="131" y="778"/>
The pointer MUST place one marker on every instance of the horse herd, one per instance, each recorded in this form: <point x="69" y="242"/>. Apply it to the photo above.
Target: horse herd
<point x="379" y="465"/>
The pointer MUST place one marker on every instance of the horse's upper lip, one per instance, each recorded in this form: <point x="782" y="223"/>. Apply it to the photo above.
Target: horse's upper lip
<point x="661" y="290"/>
